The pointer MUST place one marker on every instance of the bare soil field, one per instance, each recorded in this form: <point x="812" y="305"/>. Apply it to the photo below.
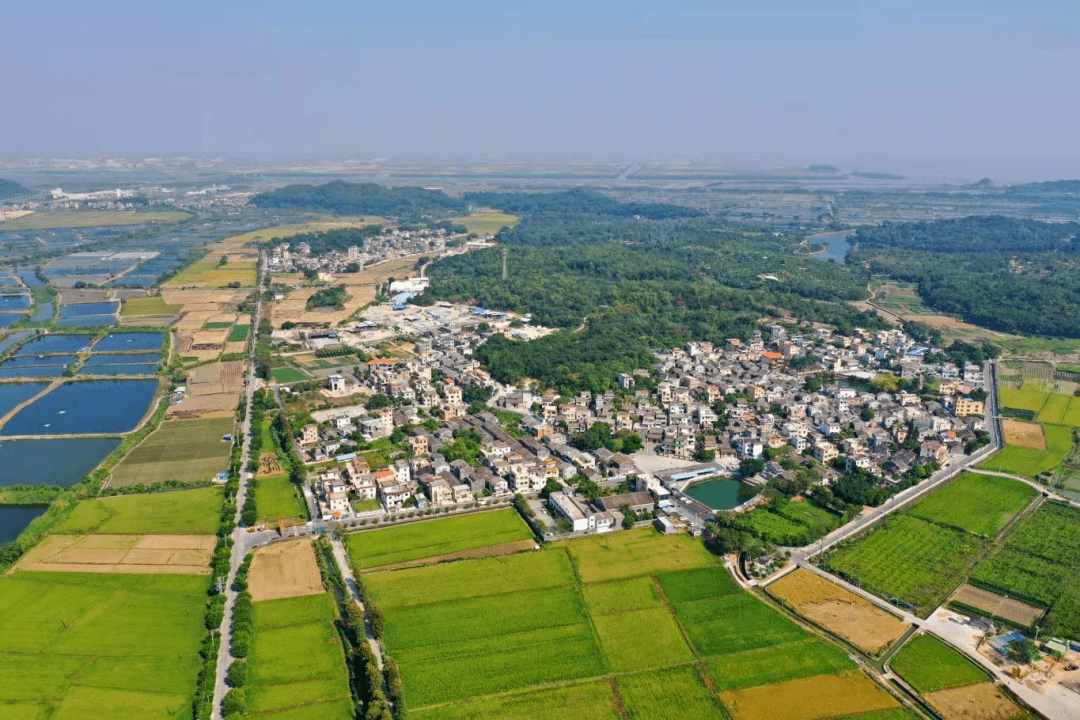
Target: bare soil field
<point x="864" y="625"/>
<point x="510" y="548"/>
<point x="152" y="554"/>
<point x="983" y="701"/>
<point x="285" y="569"/>
<point x="1023" y="434"/>
<point x="995" y="604"/>
<point x="269" y="465"/>
<point x="84" y="296"/>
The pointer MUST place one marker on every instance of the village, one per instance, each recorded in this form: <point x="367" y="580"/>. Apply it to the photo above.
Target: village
<point x="698" y="413"/>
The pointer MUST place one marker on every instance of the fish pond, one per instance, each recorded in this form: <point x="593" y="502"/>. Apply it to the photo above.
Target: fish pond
<point x="721" y="494"/>
<point x="91" y="406"/>
<point x="11" y="394"/>
<point x="15" y="518"/>
<point x="62" y="462"/>
<point x="129" y="342"/>
<point x="83" y="309"/>
<point x="55" y="344"/>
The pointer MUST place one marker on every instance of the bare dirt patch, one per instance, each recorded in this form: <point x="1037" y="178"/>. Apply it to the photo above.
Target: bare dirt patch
<point x="995" y="604"/>
<point x="983" y="701"/>
<point x="861" y="623"/>
<point x="269" y="465"/>
<point x="152" y="554"/>
<point x="285" y="569"/>
<point x="211" y="388"/>
<point x="1023" y="434"/>
<point x="68" y="297"/>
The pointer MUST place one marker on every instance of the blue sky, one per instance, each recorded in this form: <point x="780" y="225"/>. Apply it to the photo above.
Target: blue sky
<point x="957" y="78"/>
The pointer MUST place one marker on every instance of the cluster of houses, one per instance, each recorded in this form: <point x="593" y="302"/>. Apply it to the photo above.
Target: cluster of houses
<point x="391" y="243"/>
<point x="766" y="404"/>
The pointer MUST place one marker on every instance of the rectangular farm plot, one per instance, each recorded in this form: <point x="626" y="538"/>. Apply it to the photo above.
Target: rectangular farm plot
<point x="641" y="639"/>
<point x="927" y="664"/>
<point x="995" y="605"/>
<point x="1029" y="461"/>
<point x="296" y="658"/>
<point x="180" y="512"/>
<point x="1029" y="397"/>
<point x="908" y="558"/>
<point x="284" y="570"/>
<point x="697" y="584"/>
<point x="657" y="695"/>
<point x="154" y="554"/>
<point x="475" y="578"/>
<point x="980" y="504"/>
<point x="985" y="701"/>
<point x="100" y="645"/>
<point x="431" y="538"/>
<point x="621" y="595"/>
<point x="1023" y="434"/>
<point x="590" y="701"/>
<point x="184" y="450"/>
<point x="853" y="618"/>
<point x="777" y="664"/>
<point x="615" y="556"/>
<point x="278" y="498"/>
<point x="1053" y="411"/>
<point x="809" y="698"/>
<point x="734" y="623"/>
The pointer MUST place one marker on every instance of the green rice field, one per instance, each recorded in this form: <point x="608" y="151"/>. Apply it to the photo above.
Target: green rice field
<point x="239" y="333"/>
<point x="927" y="664"/>
<point x="277" y="498"/>
<point x="467" y="635"/>
<point x="177" y="512"/>
<point x="296" y="663"/>
<point x="288" y="375"/>
<point x="430" y="538"/>
<point x="100" y="646"/>
<point x="1029" y="461"/>
<point x="980" y="504"/>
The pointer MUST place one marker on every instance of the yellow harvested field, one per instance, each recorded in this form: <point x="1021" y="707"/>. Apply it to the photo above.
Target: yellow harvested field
<point x="152" y="554"/>
<point x="84" y="296"/>
<point x="983" y="701"/>
<point x="861" y="623"/>
<point x="209" y="272"/>
<point x="995" y="604"/>
<point x="1023" y="434"/>
<point x="195" y="299"/>
<point x="285" y="569"/>
<point x="809" y="698"/>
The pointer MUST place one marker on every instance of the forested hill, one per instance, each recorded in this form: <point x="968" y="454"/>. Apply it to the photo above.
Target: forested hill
<point x="1017" y="276"/>
<point x="342" y="198"/>
<point x="991" y="233"/>
<point x="578" y="201"/>
<point x="1055" y="187"/>
<point x="10" y="188"/>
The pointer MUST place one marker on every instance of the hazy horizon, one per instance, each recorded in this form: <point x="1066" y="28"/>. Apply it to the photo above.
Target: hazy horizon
<point x="959" y="85"/>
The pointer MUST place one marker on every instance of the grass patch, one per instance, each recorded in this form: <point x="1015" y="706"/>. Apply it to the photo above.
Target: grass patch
<point x="697" y="584"/>
<point x="641" y="639"/>
<point x="486" y="223"/>
<point x="277" y="498"/>
<point x="591" y="701"/>
<point x="622" y="595"/>
<point x="153" y="305"/>
<point x="184" y="450"/>
<point x="908" y="558"/>
<point x="1030" y="462"/>
<point x="980" y="504"/>
<point x="927" y="664"/>
<point x="723" y="625"/>
<point x="657" y="695"/>
<point x="476" y="578"/>
<point x="777" y="664"/>
<point x="288" y="375"/>
<point x="181" y="512"/>
<point x="239" y="333"/>
<point x="435" y="537"/>
<point x="91" y="645"/>
<point x="614" y="556"/>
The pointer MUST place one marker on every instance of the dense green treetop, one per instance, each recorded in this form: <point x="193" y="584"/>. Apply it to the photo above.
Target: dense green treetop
<point x="10" y="188"/>
<point x="578" y="201"/>
<point x="343" y="198"/>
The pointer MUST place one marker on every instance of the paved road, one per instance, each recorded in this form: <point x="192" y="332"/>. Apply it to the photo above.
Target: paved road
<point x="243" y="541"/>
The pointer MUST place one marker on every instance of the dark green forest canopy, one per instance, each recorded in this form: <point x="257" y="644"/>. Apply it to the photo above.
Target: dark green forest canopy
<point x="577" y="201"/>
<point x="1018" y="276"/>
<point x="10" y="188"/>
<point x="342" y="198"/>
